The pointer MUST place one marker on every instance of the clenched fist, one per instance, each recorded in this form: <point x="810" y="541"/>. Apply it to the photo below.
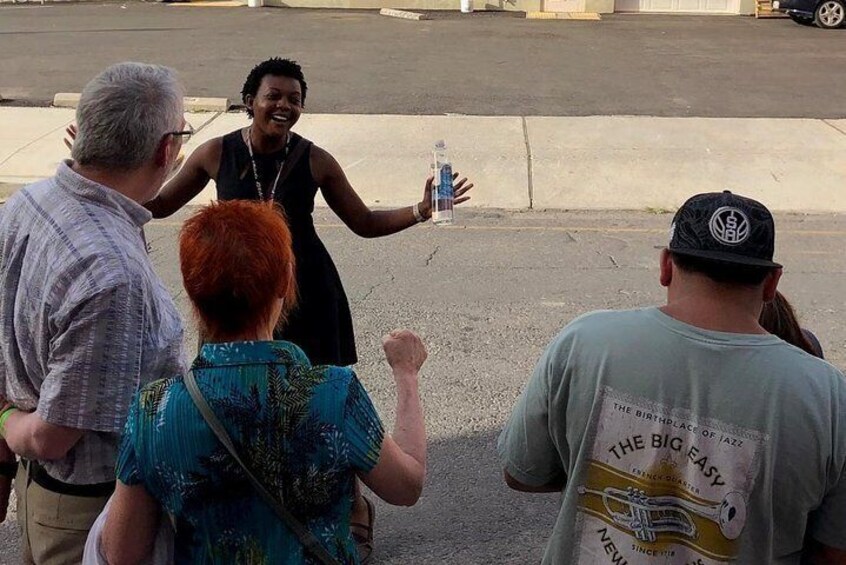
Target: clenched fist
<point x="404" y="351"/>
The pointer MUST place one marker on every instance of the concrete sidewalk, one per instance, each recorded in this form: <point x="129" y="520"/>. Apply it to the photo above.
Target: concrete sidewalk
<point x="535" y="162"/>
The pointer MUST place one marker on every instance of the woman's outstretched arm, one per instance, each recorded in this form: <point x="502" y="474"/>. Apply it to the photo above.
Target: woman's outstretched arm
<point x="346" y="203"/>
<point x="200" y="167"/>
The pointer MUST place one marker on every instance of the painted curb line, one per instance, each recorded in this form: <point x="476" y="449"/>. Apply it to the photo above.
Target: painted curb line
<point x="402" y="14"/>
<point x="582" y="16"/>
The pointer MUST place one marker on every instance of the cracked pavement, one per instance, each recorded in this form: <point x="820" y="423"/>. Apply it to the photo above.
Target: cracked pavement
<point x="503" y="285"/>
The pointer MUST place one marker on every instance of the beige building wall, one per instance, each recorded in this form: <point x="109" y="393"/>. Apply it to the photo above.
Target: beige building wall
<point x="513" y="5"/>
<point x="747" y="7"/>
<point x="599" y="6"/>
<point x="596" y="6"/>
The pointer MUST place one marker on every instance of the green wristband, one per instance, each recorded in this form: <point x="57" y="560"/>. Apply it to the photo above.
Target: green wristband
<point x="5" y="416"/>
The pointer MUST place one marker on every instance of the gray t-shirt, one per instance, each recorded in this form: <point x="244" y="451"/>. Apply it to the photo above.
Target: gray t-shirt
<point x="681" y="445"/>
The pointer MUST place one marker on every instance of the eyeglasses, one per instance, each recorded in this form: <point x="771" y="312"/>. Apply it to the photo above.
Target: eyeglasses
<point x="185" y="134"/>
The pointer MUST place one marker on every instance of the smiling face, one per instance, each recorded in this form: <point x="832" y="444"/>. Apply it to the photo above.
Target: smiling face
<point x="276" y="106"/>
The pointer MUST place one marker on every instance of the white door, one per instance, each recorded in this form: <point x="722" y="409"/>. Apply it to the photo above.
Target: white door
<point x="682" y="6"/>
<point x="564" y="6"/>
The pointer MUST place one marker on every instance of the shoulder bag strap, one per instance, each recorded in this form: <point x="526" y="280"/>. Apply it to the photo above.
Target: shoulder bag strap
<point x="308" y="540"/>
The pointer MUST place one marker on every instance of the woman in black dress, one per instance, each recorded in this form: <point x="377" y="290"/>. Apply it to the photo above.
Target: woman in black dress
<point x="267" y="161"/>
<point x="248" y="164"/>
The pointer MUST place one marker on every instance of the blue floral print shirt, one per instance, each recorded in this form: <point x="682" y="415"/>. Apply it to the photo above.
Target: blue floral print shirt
<point x="303" y="430"/>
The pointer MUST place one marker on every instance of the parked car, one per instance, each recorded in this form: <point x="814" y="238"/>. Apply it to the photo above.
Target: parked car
<point x="828" y="14"/>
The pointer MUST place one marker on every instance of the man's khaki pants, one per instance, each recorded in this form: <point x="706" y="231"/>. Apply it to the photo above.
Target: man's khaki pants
<point x="54" y="526"/>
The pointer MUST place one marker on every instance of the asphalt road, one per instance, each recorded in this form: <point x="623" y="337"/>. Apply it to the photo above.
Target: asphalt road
<point x="487" y="296"/>
<point x="483" y="64"/>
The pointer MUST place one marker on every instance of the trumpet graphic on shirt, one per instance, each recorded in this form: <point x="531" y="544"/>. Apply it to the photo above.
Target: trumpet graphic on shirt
<point x="646" y="516"/>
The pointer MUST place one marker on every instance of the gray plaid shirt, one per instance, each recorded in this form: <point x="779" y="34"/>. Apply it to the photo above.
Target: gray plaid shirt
<point x="84" y="319"/>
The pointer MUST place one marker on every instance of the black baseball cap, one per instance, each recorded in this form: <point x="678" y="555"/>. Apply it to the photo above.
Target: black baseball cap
<point x="725" y="227"/>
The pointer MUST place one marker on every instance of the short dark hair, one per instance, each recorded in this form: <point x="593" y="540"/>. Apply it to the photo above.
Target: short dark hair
<point x="722" y="271"/>
<point x="277" y="67"/>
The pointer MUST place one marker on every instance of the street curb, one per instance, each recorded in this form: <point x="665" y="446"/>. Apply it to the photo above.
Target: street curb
<point x="582" y="16"/>
<point x="192" y="104"/>
<point x="209" y="4"/>
<point x="66" y="99"/>
<point x="402" y="14"/>
<point x="528" y="162"/>
<point x="198" y="104"/>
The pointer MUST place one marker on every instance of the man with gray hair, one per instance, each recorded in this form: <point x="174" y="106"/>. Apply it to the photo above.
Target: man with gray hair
<point x="84" y="319"/>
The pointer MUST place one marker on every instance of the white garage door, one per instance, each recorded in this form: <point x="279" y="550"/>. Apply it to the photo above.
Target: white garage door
<point x="683" y="6"/>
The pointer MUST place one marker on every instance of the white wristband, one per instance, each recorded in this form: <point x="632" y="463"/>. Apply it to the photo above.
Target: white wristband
<point x="417" y="215"/>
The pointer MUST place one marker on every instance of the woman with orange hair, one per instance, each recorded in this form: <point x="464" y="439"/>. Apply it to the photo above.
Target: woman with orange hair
<point x="301" y="433"/>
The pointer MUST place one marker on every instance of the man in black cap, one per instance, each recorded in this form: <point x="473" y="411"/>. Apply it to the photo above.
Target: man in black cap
<point x="687" y="434"/>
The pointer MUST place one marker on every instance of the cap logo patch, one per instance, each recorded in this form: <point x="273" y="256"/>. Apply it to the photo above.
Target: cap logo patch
<point x="729" y="226"/>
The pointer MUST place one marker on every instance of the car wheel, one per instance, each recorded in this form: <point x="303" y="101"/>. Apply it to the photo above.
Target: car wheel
<point x="801" y="20"/>
<point x="830" y="14"/>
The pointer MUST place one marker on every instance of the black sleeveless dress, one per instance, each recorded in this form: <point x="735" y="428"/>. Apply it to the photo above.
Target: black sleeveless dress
<point x="321" y="324"/>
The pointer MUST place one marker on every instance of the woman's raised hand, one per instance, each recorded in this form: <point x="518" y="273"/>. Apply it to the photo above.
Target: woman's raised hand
<point x="460" y="189"/>
<point x="404" y="351"/>
<point x="71" y="136"/>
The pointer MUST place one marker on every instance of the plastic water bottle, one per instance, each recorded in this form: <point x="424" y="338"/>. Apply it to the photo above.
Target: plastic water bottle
<point x="442" y="190"/>
<point x="466" y="6"/>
